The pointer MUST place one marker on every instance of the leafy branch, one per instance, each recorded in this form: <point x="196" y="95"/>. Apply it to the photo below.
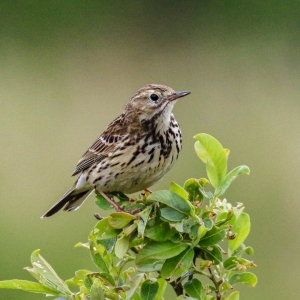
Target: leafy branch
<point x="173" y="237"/>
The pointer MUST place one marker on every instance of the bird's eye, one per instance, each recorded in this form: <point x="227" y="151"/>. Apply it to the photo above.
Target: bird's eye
<point x="154" y="97"/>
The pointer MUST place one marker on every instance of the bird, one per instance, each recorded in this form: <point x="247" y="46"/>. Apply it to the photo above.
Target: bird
<point x="133" y="153"/>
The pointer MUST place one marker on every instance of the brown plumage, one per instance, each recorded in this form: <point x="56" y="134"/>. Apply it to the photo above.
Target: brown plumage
<point x="135" y="150"/>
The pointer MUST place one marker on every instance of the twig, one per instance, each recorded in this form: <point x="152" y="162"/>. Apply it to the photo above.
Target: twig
<point x="216" y="283"/>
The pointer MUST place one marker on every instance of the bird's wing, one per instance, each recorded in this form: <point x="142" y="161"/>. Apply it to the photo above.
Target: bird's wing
<point x="104" y="145"/>
<point x="98" y="151"/>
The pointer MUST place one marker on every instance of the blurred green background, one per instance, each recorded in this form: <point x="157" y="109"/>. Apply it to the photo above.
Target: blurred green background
<point x="67" y="68"/>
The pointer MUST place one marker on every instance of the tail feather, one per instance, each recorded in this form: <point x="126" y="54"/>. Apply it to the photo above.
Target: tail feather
<point x="70" y="200"/>
<point x="76" y="202"/>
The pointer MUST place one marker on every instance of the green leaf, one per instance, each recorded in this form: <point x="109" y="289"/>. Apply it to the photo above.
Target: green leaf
<point x="97" y="292"/>
<point x="47" y="273"/>
<point x="208" y="195"/>
<point x="194" y="232"/>
<point x="208" y="223"/>
<point x="33" y="273"/>
<point x="171" y="214"/>
<point x="242" y="228"/>
<point x="172" y="200"/>
<point x="136" y="280"/>
<point x="192" y="186"/>
<point x="177" y="189"/>
<point x="150" y="265"/>
<point x="213" y="254"/>
<point x="246" y="277"/>
<point x="161" y="290"/>
<point x="188" y="224"/>
<point x="106" y="278"/>
<point x="211" y="152"/>
<point x="224" y="287"/>
<point x="108" y="244"/>
<point x="149" y="290"/>
<point x="98" y="260"/>
<point x="225" y="217"/>
<point x="103" y="230"/>
<point x="78" y="278"/>
<point x="119" y="220"/>
<point x="221" y="217"/>
<point x="176" y="266"/>
<point x="160" y="232"/>
<point x="28" y="286"/>
<point x="158" y="251"/>
<point x="163" y="250"/>
<point x="145" y="217"/>
<point x="176" y="238"/>
<point x="234" y="296"/>
<point x="202" y="231"/>
<point x="119" y="195"/>
<point x="193" y="288"/>
<point x="130" y="229"/>
<point x="212" y="237"/>
<point x="122" y="246"/>
<point x="231" y="263"/>
<point x="232" y="175"/>
<point x="197" y="235"/>
<point x="102" y="202"/>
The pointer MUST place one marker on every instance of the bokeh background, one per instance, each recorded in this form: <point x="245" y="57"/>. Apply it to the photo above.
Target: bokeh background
<point x="67" y="68"/>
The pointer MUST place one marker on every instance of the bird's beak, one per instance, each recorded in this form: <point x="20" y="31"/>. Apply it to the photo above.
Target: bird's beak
<point x="177" y="95"/>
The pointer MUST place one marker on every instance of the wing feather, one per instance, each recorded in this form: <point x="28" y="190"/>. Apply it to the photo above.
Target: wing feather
<point x="97" y="152"/>
<point x="104" y="145"/>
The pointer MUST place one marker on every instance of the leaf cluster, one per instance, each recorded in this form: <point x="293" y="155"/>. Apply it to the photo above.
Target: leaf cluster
<point x="186" y="237"/>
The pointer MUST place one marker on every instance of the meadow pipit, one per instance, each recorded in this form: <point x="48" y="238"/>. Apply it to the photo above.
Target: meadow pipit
<point x="135" y="150"/>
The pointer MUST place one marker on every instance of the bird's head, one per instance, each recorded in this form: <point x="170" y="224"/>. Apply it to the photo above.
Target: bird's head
<point x="153" y="101"/>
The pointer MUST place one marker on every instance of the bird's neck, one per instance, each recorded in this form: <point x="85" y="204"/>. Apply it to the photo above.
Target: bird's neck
<point x="158" y="123"/>
<point x="163" y="123"/>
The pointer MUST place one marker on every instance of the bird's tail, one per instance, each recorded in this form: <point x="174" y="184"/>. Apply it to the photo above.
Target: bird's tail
<point x="71" y="200"/>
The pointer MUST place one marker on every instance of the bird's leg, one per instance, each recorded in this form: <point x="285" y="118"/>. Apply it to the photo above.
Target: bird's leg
<point x="111" y="202"/>
<point x="116" y="206"/>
